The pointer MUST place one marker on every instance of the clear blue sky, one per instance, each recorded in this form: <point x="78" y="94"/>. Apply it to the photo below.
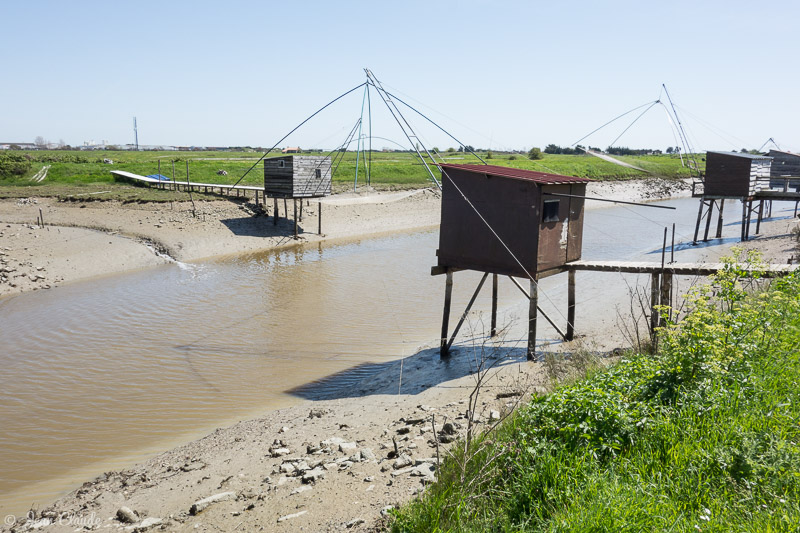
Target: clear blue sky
<point x="497" y="74"/>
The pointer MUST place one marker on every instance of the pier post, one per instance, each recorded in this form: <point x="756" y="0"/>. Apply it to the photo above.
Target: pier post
<point x="319" y="220"/>
<point x="708" y="219"/>
<point x="744" y="219"/>
<point x="719" y="220"/>
<point x="295" y="217"/>
<point x="448" y="293"/>
<point x="760" y="216"/>
<point x="494" y="305"/>
<point x="699" y="218"/>
<point x="654" y="291"/>
<point x="570" y="305"/>
<point x="275" y="211"/>
<point x="666" y="295"/>
<point x="532" y="316"/>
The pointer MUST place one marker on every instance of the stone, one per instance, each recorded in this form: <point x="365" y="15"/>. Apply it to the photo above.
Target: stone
<point x="147" y="523"/>
<point x="494" y="415"/>
<point x="448" y="429"/>
<point x="299" y="490"/>
<point x="312" y="476"/>
<point x="279" y="452"/>
<point x="402" y="461"/>
<point x="424" y="470"/>
<point x="355" y="522"/>
<point x="200" y="505"/>
<point x="347" y="447"/>
<point x="367" y="454"/>
<point x="317" y="413"/>
<point x="386" y="510"/>
<point x="290" y="516"/>
<point x="126" y="515"/>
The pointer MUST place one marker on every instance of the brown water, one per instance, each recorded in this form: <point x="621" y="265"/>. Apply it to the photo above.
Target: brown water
<point x="104" y="373"/>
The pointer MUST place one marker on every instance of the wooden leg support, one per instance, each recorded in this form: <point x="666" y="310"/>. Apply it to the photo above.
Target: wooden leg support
<point x="708" y="219"/>
<point x="494" y="305"/>
<point x="275" y="211"/>
<point x="719" y="220"/>
<point x="570" y="306"/>
<point x="448" y="294"/>
<point x="654" y="294"/>
<point x="295" y="217"/>
<point x="532" y="316"/>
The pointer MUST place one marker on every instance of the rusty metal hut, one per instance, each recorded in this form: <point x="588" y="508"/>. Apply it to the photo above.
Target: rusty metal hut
<point x="297" y="177"/>
<point x="507" y="221"/>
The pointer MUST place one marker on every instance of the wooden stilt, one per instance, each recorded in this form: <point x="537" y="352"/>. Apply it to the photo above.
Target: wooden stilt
<point x="570" y="305"/>
<point x="275" y="211"/>
<point x="769" y="211"/>
<point x="708" y="219"/>
<point x="466" y="311"/>
<point x="301" y="210"/>
<point x="699" y="218"/>
<point x="532" y="307"/>
<point x="448" y="293"/>
<point x="319" y="220"/>
<point x="295" y="217"/>
<point x="654" y="292"/>
<point x="494" y="305"/>
<point x="744" y="219"/>
<point x="666" y="295"/>
<point x="749" y="212"/>
<point x="719" y="220"/>
<point x="760" y="216"/>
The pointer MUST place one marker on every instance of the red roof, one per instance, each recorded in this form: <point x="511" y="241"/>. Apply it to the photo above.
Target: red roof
<point x="542" y="178"/>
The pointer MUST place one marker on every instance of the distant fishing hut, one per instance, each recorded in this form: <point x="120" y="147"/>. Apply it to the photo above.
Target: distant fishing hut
<point x="749" y="178"/>
<point x="784" y="165"/>
<point x="511" y="222"/>
<point x="297" y="177"/>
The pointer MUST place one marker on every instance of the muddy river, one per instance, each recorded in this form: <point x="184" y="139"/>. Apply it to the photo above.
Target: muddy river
<point x="104" y="373"/>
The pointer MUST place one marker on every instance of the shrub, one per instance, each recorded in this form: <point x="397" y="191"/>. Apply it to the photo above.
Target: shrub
<point x="535" y="153"/>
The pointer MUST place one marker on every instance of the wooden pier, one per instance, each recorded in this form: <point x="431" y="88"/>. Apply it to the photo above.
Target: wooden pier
<point x="661" y="284"/>
<point x="239" y="191"/>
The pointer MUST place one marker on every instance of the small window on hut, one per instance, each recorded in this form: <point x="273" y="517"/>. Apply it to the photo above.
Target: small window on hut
<point x="318" y="173"/>
<point x="550" y="211"/>
<point x="281" y="163"/>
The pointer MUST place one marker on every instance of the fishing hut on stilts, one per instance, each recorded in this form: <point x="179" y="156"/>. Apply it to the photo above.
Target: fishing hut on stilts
<point x="508" y="222"/>
<point x="748" y="178"/>
<point x="297" y="178"/>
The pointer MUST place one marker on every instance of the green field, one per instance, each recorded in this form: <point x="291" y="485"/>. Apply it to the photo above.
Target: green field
<point x="704" y="435"/>
<point x="78" y="175"/>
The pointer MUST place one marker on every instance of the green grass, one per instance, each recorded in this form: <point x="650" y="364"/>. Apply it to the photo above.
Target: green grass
<point x="703" y="436"/>
<point x="388" y="170"/>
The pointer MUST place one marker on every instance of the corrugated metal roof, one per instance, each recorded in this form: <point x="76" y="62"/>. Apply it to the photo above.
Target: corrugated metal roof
<point x="739" y="154"/>
<point x="542" y="178"/>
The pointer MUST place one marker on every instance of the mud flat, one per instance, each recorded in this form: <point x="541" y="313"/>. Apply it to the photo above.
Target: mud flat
<point x="84" y="240"/>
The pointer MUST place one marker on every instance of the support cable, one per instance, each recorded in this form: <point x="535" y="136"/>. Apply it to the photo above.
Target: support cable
<point x="317" y="112"/>
<point x="612" y="120"/>
<point x="438" y="126"/>
<point x="634" y="122"/>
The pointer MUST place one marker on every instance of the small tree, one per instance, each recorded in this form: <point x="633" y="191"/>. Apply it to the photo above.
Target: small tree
<point x="669" y="149"/>
<point x="535" y="153"/>
<point x="40" y="142"/>
<point x="451" y="150"/>
<point x="489" y="154"/>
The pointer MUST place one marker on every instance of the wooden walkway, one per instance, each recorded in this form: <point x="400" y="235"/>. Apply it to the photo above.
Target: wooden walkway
<point x="220" y="188"/>
<point x="681" y="269"/>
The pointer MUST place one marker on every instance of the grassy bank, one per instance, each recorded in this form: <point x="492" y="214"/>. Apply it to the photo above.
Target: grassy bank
<point x="702" y="436"/>
<point x="71" y="173"/>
